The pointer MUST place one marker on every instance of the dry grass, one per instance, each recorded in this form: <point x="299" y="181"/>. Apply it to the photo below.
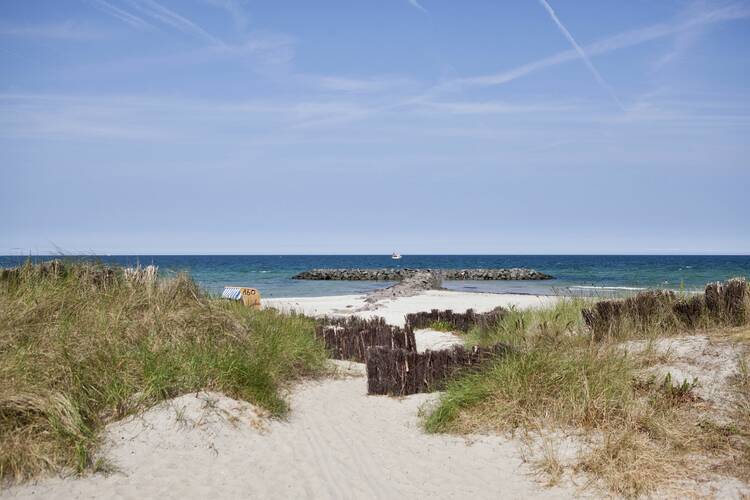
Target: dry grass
<point x="636" y="433"/>
<point x="81" y="346"/>
<point x="739" y="435"/>
<point x="548" y="462"/>
<point x="657" y="313"/>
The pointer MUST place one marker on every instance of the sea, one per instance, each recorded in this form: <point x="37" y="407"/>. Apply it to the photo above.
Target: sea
<point x="574" y="274"/>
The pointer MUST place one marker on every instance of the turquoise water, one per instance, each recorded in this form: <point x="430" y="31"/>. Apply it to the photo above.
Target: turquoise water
<point x="578" y="274"/>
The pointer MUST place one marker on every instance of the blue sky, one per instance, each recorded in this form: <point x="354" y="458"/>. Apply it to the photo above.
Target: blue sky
<point x="231" y="126"/>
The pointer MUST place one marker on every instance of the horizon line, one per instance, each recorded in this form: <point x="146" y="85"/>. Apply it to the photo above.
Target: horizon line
<point x="159" y="254"/>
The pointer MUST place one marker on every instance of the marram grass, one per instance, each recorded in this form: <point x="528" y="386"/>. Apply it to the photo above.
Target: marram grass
<point x="77" y="353"/>
<point x="637" y="433"/>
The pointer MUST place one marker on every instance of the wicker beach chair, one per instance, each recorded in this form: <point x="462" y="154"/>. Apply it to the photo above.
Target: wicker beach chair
<point x="249" y="296"/>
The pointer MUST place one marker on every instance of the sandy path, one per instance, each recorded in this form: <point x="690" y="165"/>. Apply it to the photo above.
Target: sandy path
<point x="337" y="443"/>
<point x="394" y="310"/>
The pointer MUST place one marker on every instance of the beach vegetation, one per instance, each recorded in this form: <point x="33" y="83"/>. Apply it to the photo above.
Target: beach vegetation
<point x="441" y="326"/>
<point x="636" y="427"/>
<point x="81" y="345"/>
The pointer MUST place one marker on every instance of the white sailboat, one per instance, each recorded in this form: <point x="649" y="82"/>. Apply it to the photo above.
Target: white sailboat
<point x="396" y="256"/>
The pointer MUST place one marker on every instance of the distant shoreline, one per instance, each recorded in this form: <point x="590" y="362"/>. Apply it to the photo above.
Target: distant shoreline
<point x="609" y="274"/>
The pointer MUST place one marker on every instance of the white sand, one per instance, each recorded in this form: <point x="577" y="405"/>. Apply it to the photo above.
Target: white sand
<point x="395" y="310"/>
<point x="337" y="443"/>
<point x="435" y="340"/>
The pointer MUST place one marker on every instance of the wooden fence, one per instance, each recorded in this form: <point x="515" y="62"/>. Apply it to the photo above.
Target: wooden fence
<point x="462" y="322"/>
<point x="399" y="372"/>
<point x="728" y="302"/>
<point x="725" y="303"/>
<point x="349" y="338"/>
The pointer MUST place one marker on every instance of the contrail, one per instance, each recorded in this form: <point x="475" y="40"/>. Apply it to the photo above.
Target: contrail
<point x="415" y="4"/>
<point x="612" y="43"/>
<point x="581" y="52"/>
<point x="157" y="11"/>
<point x="120" y="14"/>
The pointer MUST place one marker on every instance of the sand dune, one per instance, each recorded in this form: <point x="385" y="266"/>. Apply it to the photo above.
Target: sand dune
<point x="337" y="443"/>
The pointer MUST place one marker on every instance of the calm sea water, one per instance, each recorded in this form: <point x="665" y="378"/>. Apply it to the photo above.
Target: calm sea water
<point x="580" y="274"/>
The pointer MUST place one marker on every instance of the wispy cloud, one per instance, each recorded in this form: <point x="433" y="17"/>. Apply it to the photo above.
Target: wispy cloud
<point x="269" y="53"/>
<point x="157" y="13"/>
<point x="235" y="8"/>
<point x="59" y="31"/>
<point x="636" y="37"/>
<point x="684" y="40"/>
<point x="357" y="85"/>
<point x="682" y="43"/>
<point x="616" y="42"/>
<point x="314" y="114"/>
<point x="582" y="53"/>
<point x="122" y="15"/>
<point x="171" y="18"/>
<point x="310" y="119"/>
<point x="150" y="119"/>
<point x="417" y="5"/>
<point x="683" y="110"/>
<point x="493" y="107"/>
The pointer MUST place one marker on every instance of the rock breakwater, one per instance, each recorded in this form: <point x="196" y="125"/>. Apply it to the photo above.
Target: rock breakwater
<point x="402" y="274"/>
<point x="412" y="284"/>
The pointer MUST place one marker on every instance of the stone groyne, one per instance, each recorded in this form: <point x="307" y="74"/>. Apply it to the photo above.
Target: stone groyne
<point x="411" y="285"/>
<point x="401" y="274"/>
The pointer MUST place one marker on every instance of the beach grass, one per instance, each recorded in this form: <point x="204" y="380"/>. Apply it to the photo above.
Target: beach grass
<point x="441" y="326"/>
<point x="637" y="432"/>
<point x="84" y="346"/>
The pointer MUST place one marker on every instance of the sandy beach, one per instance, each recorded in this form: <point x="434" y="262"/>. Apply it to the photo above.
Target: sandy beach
<point x="394" y="310"/>
<point x="337" y="442"/>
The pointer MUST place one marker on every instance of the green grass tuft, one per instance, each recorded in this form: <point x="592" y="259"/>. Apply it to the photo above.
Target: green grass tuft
<point x="441" y="326"/>
<point x="562" y="385"/>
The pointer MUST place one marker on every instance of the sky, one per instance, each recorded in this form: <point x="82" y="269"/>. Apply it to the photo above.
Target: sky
<point x="336" y="127"/>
